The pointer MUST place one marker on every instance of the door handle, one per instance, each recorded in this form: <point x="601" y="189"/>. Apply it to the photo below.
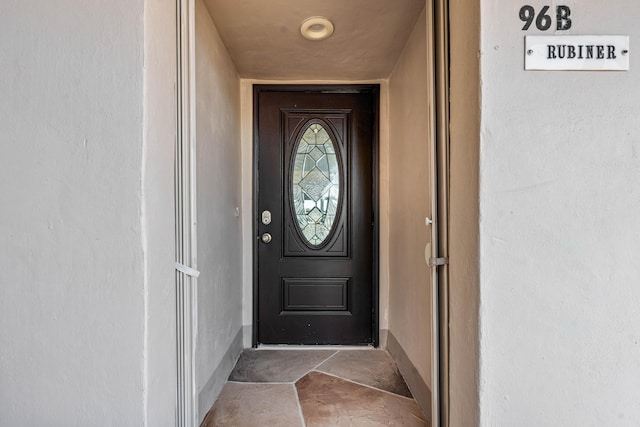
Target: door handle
<point x="266" y="238"/>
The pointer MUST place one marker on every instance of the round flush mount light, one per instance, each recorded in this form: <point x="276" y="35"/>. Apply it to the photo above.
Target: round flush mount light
<point x="316" y="28"/>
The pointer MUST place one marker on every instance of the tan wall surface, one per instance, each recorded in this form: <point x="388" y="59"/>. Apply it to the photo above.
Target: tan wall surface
<point x="218" y="190"/>
<point x="410" y="301"/>
<point x="464" y="229"/>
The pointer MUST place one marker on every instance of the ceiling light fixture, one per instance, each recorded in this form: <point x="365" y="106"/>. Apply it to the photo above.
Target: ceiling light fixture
<point x="316" y="28"/>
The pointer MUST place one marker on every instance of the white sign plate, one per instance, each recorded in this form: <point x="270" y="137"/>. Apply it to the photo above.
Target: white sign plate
<point x="595" y="53"/>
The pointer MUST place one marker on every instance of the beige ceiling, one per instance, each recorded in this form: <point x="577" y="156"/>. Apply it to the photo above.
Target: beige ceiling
<point x="264" y="41"/>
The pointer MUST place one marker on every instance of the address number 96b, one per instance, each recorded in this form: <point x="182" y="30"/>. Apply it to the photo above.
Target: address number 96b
<point x="542" y="19"/>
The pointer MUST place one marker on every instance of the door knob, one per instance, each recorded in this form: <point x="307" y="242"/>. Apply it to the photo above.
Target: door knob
<point x="266" y="238"/>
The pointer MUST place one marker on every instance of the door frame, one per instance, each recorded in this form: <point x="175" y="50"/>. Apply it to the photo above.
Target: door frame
<point x="439" y="58"/>
<point x="185" y="411"/>
<point x="328" y="89"/>
<point x="185" y="217"/>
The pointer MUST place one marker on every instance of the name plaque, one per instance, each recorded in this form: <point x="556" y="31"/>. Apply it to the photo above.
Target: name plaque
<point x="581" y="53"/>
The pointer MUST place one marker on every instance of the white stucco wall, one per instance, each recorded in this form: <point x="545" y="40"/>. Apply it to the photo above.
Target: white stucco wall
<point x="410" y="288"/>
<point x="219" y="339"/>
<point x="158" y="212"/>
<point x="71" y="271"/>
<point x="560" y="202"/>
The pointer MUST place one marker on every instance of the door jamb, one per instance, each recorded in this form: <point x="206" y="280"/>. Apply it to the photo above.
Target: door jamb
<point x="441" y="163"/>
<point x="185" y="213"/>
<point x="322" y="88"/>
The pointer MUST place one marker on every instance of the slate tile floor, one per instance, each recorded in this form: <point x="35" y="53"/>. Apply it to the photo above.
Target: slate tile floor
<point x="316" y="387"/>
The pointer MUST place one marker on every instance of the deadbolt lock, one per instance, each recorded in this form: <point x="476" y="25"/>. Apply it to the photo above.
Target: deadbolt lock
<point x="266" y="238"/>
<point x="266" y="217"/>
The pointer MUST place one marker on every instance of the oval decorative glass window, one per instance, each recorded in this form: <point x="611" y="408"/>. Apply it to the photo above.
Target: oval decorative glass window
<point x="315" y="183"/>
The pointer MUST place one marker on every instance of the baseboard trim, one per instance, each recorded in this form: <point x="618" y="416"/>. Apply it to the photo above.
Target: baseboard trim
<point x="383" y="338"/>
<point x="247" y="330"/>
<point x="416" y="384"/>
<point x="213" y="387"/>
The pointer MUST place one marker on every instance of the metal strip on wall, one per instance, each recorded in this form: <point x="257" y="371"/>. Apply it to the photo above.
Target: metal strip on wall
<point x="186" y="273"/>
<point x="439" y="45"/>
<point x="441" y="30"/>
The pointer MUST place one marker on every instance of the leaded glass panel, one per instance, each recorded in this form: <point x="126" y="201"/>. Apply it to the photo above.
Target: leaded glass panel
<point x="315" y="184"/>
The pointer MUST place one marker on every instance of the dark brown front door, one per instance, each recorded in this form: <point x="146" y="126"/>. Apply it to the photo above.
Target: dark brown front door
<point x="316" y="236"/>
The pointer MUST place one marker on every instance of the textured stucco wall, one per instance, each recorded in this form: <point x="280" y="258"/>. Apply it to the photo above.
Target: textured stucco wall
<point x="158" y="211"/>
<point x="219" y="229"/>
<point x="560" y="202"/>
<point x="71" y="270"/>
<point x="410" y="299"/>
